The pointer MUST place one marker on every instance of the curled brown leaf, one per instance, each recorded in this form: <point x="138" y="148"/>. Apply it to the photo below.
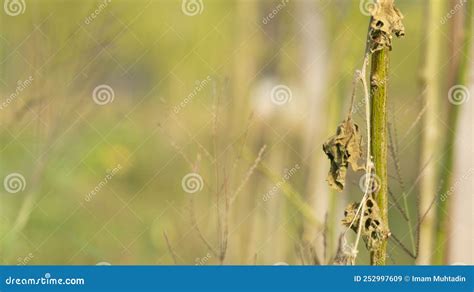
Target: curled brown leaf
<point x="343" y="149"/>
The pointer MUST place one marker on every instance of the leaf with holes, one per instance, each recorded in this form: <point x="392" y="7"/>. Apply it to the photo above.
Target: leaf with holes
<point x="386" y="21"/>
<point x="374" y="232"/>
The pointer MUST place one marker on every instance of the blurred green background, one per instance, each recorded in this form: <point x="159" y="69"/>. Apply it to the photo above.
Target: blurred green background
<point x="192" y="93"/>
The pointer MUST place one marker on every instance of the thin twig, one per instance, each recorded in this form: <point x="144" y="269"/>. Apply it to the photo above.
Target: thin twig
<point x="397" y="205"/>
<point x="325" y="238"/>
<point x="225" y="235"/>
<point x="402" y="246"/>
<point x="368" y="167"/>
<point x="299" y="251"/>
<point x="417" y="120"/>
<point x="428" y="210"/>
<point x="249" y="173"/>
<point x="314" y="256"/>
<point x="393" y="153"/>
<point x="198" y="230"/>
<point x="216" y="163"/>
<point x="406" y="213"/>
<point x="170" y="248"/>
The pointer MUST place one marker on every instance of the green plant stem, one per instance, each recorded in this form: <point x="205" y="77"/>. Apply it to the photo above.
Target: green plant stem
<point x="430" y="73"/>
<point x="379" y="134"/>
<point x="460" y="77"/>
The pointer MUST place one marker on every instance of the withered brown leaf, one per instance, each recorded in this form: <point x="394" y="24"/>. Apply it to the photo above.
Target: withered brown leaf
<point x="374" y="230"/>
<point x="344" y="257"/>
<point x="343" y="149"/>
<point x="386" y="21"/>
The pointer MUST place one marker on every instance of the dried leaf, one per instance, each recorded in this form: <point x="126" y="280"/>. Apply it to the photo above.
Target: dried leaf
<point x="343" y="149"/>
<point x="374" y="231"/>
<point x="344" y="255"/>
<point x="386" y="21"/>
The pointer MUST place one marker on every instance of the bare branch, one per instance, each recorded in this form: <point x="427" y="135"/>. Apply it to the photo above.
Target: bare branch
<point x="170" y="248"/>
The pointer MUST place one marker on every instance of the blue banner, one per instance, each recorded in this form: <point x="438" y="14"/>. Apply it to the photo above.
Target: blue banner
<point x="236" y="278"/>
